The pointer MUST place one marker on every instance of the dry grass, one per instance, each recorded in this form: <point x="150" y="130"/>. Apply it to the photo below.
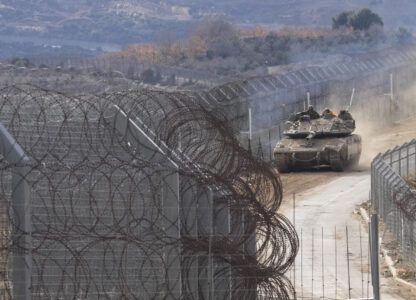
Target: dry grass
<point x="411" y="181"/>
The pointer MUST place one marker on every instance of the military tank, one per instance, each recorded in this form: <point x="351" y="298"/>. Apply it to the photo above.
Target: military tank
<point x="316" y="143"/>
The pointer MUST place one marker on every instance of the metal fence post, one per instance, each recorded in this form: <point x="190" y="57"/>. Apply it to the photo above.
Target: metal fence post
<point x="374" y="250"/>
<point x="270" y="148"/>
<point x="22" y="226"/>
<point x="407" y="161"/>
<point x="170" y="181"/>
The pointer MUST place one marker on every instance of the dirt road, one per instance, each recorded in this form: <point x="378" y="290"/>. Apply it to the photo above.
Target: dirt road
<point x="324" y="211"/>
<point x="329" y="209"/>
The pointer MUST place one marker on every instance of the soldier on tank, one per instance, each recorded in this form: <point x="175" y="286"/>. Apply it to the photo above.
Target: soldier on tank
<point x="328" y="114"/>
<point x="311" y="112"/>
<point x="344" y="115"/>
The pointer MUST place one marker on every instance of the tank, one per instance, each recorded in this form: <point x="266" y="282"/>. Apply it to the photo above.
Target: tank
<point x="317" y="143"/>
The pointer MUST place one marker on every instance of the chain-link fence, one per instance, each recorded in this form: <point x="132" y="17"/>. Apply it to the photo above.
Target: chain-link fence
<point x="382" y="95"/>
<point x="134" y="195"/>
<point x="392" y="197"/>
<point x="370" y="108"/>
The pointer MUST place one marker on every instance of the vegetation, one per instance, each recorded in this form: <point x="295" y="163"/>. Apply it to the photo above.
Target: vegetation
<point x="11" y="49"/>
<point x="411" y="181"/>
<point x="361" y="20"/>
<point x="343" y="19"/>
<point x="403" y="36"/>
<point x="223" y="49"/>
<point x="149" y="76"/>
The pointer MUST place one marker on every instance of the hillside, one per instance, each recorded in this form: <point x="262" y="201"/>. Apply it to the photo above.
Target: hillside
<point x="99" y="21"/>
<point x="111" y="25"/>
<point x="132" y="20"/>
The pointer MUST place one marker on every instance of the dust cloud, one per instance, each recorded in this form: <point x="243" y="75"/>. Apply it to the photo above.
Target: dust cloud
<point x="381" y="123"/>
<point x="393" y="127"/>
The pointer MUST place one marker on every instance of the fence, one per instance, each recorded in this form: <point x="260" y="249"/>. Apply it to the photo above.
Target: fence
<point x="392" y="197"/>
<point x="135" y="195"/>
<point x="370" y="106"/>
<point x="129" y="68"/>
<point x="333" y="263"/>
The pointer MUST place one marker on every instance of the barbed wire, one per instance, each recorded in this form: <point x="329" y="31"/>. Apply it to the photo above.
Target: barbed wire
<point x="136" y="195"/>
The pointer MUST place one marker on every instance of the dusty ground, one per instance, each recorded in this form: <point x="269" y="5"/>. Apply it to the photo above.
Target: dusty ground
<point x="325" y="199"/>
<point x="380" y="140"/>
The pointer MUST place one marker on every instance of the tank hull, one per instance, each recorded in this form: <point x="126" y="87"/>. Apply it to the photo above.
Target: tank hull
<point x="339" y="153"/>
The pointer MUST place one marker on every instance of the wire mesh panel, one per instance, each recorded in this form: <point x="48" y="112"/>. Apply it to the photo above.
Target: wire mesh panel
<point x="392" y="197"/>
<point x="136" y="195"/>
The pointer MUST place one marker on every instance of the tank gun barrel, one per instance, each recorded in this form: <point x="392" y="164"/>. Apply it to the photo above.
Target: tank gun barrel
<point x="352" y="99"/>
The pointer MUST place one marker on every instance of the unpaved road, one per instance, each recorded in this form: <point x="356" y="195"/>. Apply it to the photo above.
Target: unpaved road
<point x="326" y="201"/>
<point x="331" y="207"/>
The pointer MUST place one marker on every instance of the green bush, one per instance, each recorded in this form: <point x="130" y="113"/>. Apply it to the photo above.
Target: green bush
<point x="364" y="19"/>
<point x="343" y="19"/>
<point x="361" y="20"/>
<point x="403" y="36"/>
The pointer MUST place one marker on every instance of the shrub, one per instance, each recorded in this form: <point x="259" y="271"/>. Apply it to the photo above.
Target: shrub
<point x="361" y="20"/>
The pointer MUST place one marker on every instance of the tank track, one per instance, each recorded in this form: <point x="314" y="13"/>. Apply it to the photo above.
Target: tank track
<point x="355" y="160"/>
<point x="281" y="163"/>
<point x="337" y="163"/>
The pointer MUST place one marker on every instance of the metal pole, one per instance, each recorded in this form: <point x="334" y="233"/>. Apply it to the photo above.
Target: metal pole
<point x="407" y="161"/>
<point x="312" y="260"/>
<point x="22" y="256"/>
<point x="368" y="264"/>
<point x="323" y="276"/>
<point x="352" y="98"/>
<point x="308" y="98"/>
<point x="280" y="135"/>
<point x="249" y="125"/>
<point x="294" y="225"/>
<point x="294" y="210"/>
<point x="374" y="249"/>
<point x="391" y="87"/>
<point x="361" y="259"/>
<point x="348" y="264"/>
<point x="270" y="148"/>
<point x="336" y="263"/>
<point x="21" y="205"/>
<point x="210" y="260"/>
<point x="400" y="161"/>
<point x="301" y="262"/>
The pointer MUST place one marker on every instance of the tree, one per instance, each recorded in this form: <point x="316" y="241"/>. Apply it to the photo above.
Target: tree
<point x="343" y="19"/>
<point x="21" y="62"/>
<point x="131" y="72"/>
<point x="221" y="37"/>
<point x="403" y="36"/>
<point x="212" y="28"/>
<point x="196" y="47"/>
<point x="361" y="20"/>
<point x="365" y="18"/>
<point x="148" y="76"/>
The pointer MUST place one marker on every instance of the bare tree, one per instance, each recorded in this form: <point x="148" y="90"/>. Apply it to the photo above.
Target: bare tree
<point x="212" y="28"/>
<point x="165" y="42"/>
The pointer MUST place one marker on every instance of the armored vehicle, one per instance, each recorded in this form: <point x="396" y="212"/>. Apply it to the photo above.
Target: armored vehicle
<point x="326" y="141"/>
